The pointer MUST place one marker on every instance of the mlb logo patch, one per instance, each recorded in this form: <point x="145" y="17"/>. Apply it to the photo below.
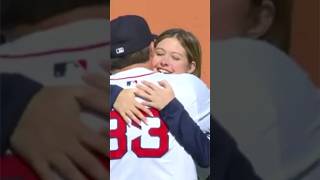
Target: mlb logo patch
<point x="132" y="83"/>
<point x="61" y="69"/>
<point x="120" y="50"/>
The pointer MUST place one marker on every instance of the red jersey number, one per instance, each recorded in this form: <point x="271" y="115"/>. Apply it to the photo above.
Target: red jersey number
<point x="119" y="133"/>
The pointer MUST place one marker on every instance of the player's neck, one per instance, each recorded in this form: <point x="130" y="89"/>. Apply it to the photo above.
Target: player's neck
<point x="140" y="65"/>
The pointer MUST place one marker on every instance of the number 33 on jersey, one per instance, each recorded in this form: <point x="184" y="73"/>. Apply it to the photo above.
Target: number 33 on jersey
<point x="142" y="141"/>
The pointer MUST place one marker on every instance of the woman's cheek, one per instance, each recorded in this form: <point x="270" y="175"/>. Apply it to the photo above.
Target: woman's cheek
<point x="155" y="61"/>
<point x="178" y="67"/>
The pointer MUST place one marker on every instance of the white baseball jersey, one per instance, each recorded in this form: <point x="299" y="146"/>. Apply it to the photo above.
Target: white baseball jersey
<point x="149" y="151"/>
<point x="52" y="59"/>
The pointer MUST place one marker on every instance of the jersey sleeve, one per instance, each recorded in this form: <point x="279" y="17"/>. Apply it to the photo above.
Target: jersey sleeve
<point x="187" y="132"/>
<point x="202" y="103"/>
<point x="229" y="162"/>
<point x="16" y="92"/>
<point x="114" y="93"/>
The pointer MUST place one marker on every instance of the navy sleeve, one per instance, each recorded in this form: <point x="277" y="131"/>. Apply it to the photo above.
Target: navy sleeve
<point x="228" y="162"/>
<point x="16" y="92"/>
<point x="114" y="93"/>
<point x="187" y="132"/>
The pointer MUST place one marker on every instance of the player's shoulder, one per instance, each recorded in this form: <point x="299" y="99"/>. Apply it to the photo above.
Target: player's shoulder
<point x="187" y="81"/>
<point x="184" y="78"/>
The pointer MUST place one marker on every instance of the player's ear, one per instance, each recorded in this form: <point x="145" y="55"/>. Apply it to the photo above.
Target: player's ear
<point x="262" y="19"/>
<point x="192" y="67"/>
<point x="151" y="49"/>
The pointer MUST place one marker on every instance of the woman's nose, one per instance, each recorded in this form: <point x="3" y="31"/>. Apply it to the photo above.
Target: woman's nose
<point x="164" y="61"/>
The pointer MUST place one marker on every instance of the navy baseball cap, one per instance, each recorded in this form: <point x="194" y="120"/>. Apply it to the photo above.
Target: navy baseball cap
<point x="129" y="34"/>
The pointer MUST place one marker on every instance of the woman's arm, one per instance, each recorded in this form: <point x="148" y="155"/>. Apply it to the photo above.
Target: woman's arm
<point x="114" y="93"/>
<point x="187" y="132"/>
<point x="180" y="124"/>
<point x="16" y="92"/>
<point x="229" y="163"/>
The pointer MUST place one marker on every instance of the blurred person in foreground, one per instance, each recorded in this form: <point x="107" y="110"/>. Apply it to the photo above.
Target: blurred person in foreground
<point x="262" y="97"/>
<point x="42" y="58"/>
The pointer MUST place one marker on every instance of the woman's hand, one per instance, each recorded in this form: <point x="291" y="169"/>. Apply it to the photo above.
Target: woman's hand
<point x="51" y="137"/>
<point x="156" y="96"/>
<point x="125" y="103"/>
<point x="129" y="108"/>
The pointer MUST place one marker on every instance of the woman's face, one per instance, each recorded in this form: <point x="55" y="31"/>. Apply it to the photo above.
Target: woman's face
<point x="170" y="57"/>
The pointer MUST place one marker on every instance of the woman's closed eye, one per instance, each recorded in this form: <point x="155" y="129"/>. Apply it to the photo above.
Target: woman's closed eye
<point x="177" y="58"/>
<point x="160" y="52"/>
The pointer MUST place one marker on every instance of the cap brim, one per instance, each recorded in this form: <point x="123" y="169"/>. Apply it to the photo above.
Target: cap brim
<point x="154" y="36"/>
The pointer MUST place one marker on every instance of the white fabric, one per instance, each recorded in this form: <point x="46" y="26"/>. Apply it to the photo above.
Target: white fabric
<point x="75" y="35"/>
<point x="176" y="163"/>
<point x="269" y="105"/>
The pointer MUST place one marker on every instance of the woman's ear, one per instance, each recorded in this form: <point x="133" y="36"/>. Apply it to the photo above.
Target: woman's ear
<point x="192" y="67"/>
<point x="263" y="18"/>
